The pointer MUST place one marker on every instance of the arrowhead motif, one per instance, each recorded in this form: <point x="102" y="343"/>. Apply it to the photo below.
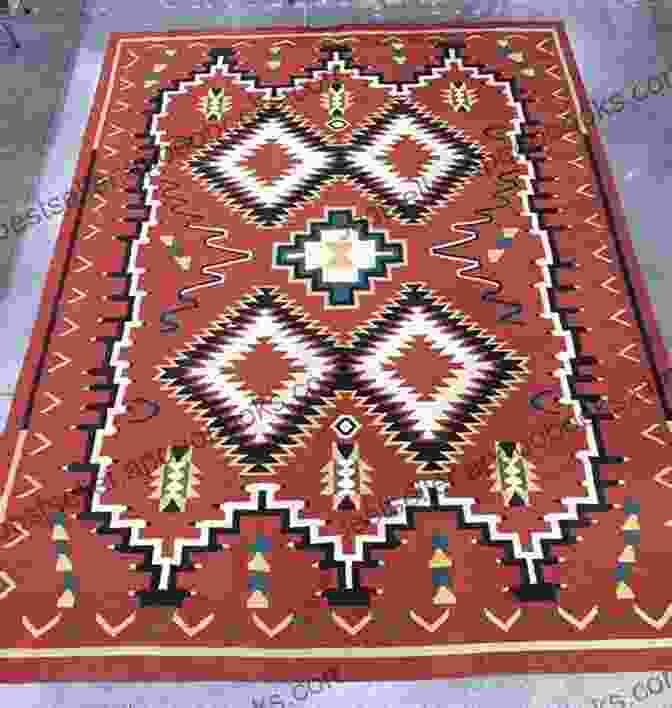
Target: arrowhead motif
<point x="349" y="628"/>
<point x="278" y="627"/>
<point x="196" y="629"/>
<point x="660" y="477"/>
<point x="504" y="626"/>
<point x="114" y="631"/>
<point x="38" y="632"/>
<point x="8" y="582"/>
<point x="434" y="625"/>
<point x="579" y="624"/>
<point x="656" y="624"/>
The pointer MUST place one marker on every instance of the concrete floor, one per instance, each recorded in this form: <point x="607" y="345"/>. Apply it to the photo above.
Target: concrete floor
<point x="46" y="91"/>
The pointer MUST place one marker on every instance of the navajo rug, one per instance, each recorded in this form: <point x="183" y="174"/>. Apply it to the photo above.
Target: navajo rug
<point x="318" y="383"/>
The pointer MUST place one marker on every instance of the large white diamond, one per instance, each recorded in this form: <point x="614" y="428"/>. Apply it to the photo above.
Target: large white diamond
<point x="372" y="161"/>
<point x="213" y="372"/>
<point x="310" y="160"/>
<point x="452" y="390"/>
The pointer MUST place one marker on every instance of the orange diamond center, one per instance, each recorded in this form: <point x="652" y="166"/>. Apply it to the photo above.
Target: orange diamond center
<point x="264" y="369"/>
<point x="408" y="157"/>
<point x="270" y="162"/>
<point x="423" y="368"/>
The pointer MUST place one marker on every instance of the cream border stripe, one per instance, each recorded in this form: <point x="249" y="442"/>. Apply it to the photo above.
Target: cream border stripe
<point x="11" y="477"/>
<point x="344" y="652"/>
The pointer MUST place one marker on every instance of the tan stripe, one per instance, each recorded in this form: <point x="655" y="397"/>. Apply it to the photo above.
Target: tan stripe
<point x="357" y="31"/>
<point x="347" y="652"/>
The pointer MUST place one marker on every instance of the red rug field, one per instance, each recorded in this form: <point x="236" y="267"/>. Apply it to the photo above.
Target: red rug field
<point x="344" y="364"/>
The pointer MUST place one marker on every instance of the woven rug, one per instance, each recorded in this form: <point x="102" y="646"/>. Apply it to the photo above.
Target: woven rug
<point x="343" y="358"/>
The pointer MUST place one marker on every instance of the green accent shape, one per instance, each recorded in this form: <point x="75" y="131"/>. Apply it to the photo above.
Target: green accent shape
<point x="58" y="518"/>
<point x="176" y="477"/>
<point x="68" y="582"/>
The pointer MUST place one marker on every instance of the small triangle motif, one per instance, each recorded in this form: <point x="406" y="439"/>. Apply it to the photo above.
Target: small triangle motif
<point x="63" y="564"/>
<point x="444" y="596"/>
<point x="258" y="601"/>
<point x="59" y="534"/>
<point x="258" y="564"/>
<point x="628" y="555"/>
<point x="624" y="592"/>
<point x="67" y="599"/>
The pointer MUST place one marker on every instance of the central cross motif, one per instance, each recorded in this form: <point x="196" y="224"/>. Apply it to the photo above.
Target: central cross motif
<point x="338" y="257"/>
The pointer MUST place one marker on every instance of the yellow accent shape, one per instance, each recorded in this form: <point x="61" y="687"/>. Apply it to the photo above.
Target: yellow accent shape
<point x="631" y="524"/>
<point x="258" y="601"/>
<point x="444" y="596"/>
<point x="258" y="564"/>
<point x="440" y="560"/>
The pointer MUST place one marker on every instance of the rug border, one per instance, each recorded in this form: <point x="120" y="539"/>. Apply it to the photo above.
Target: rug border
<point x="20" y="668"/>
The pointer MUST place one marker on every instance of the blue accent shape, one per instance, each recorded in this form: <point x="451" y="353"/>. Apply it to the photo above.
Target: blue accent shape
<point x="631" y="538"/>
<point x="257" y="581"/>
<point x="341" y="294"/>
<point x="504" y="242"/>
<point x="631" y="506"/>
<point x="623" y="572"/>
<point x="261" y="545"/>
<point x="440" y="577"/>
<point x="439" y="541"/>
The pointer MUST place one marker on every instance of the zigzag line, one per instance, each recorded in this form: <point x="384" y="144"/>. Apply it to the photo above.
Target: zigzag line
<point x="218" y="277"/>
<point x="475" y="264"/>
<point x="168" y="317"/>
<point x="472" y="263"/>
